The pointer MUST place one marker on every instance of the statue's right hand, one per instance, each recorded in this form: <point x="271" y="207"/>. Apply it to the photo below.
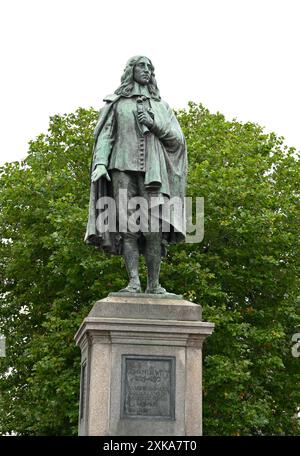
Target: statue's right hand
<point x="98" y="172"/>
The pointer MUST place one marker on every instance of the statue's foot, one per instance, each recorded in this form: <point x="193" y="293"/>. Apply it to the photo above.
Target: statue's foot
<point x="132" y="287"/>
<point x="158" y="289"/>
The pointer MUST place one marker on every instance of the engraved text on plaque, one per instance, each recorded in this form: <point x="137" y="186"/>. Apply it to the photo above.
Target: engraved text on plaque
<point x="148" y="387"/>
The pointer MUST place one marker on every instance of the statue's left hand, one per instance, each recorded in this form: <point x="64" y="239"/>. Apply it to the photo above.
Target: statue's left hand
<point x="98" y="172"/>
<point x="146" y="119"/>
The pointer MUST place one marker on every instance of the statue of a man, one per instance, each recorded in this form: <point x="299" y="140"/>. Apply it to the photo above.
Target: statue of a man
<point x="139" y="147"/>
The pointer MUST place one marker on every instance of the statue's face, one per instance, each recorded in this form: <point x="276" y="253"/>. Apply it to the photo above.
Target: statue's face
<point x="142" y="71"/>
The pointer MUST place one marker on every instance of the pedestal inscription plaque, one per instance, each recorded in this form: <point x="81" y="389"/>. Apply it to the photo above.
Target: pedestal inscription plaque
<point x="148" y="387"/>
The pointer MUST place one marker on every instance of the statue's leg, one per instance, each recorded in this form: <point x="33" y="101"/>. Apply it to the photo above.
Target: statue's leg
<point x="131" y="257"/>
<point x="127" y="181"/>
<point x="153" y="242"/>
<point x="153" y="260"/>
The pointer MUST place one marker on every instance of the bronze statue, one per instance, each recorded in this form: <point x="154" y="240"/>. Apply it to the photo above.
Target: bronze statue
<point x="140" y="147"/>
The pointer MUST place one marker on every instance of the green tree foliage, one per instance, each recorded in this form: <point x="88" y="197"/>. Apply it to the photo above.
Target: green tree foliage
<point x="245" y="274"/>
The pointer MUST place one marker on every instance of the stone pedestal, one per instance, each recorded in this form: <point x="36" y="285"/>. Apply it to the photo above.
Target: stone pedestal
<point x="141" y="369"/>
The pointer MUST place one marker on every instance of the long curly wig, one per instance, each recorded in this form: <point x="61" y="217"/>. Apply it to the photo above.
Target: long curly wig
<point x="127" y="81"/>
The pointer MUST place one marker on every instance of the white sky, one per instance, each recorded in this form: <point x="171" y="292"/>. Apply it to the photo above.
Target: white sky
<point x="239" y="57"/>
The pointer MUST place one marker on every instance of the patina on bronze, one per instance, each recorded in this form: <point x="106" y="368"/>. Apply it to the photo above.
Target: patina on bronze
<point x="139" y="146"/>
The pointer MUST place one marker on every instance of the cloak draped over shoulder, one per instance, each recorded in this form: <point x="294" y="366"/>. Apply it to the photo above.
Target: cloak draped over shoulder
<point x="165" y="165"/>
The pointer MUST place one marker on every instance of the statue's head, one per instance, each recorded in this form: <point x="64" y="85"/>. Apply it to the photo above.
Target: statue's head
<point x="141" y="70"/>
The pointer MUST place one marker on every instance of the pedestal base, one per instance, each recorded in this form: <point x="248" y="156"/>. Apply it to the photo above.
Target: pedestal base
<point x="141" y="368"/>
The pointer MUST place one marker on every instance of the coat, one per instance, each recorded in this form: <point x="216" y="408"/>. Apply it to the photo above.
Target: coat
<point x="166" y="165"/>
